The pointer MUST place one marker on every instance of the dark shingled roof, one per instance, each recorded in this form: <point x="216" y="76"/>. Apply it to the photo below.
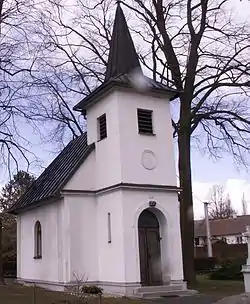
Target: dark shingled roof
<point x="122" y="56"/>
<point x="56" y="175"/>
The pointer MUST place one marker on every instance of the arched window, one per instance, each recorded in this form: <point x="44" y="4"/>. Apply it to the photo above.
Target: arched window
<point x="38" y="240"/>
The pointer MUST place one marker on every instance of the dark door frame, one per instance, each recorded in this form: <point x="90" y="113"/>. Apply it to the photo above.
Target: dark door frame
<point x="149" y="249"/>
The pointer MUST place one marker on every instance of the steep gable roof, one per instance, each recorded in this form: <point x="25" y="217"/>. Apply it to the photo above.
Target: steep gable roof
<point x="122" y="55"/>
<point x="56" y="175"/>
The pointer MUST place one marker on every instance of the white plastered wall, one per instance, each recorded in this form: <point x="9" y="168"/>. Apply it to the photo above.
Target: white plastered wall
<point x="119" y="156"/>
<point x="107" y="151"/>
<point x="49" y="268"/>
<point x="85" y="176"/>
<point x="167" y="212"/>
<point x="82" y="244"/>
<point x="132" y="144"/>
<point x="111" y="255"/>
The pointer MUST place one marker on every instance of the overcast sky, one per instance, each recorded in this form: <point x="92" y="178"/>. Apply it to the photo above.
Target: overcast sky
<point x="205" y="171"/>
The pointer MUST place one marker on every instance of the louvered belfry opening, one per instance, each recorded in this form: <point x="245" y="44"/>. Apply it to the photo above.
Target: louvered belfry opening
<point x="145" y="121"/>
<point x="102" y="127"/>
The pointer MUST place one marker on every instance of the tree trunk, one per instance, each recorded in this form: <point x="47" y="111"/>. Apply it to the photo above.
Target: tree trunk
<point x="186" y="206"/>
<point x="1" y="255"/>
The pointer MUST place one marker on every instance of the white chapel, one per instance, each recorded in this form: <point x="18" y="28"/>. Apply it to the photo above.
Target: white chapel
<point x="107" y="208"/>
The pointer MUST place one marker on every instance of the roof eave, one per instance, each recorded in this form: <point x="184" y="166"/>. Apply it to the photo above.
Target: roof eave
<point x="44" y="201"/>
<point x="95" y="96"/>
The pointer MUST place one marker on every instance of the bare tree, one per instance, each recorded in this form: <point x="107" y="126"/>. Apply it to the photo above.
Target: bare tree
<point x="17" y="62"/>
<point x="220" y="205"/>
<point x="72" y="59"/>
<point x="1" y="255"/>
<point x="195" y="46"/>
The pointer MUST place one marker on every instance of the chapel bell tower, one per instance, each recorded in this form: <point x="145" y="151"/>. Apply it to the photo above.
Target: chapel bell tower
<point x="128" y="119"/>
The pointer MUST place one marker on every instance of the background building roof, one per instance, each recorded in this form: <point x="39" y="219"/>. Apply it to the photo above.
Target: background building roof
<point x="223" y="227"/>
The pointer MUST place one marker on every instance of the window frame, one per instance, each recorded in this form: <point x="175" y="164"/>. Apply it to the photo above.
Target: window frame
<point x="141" y="112"/>
<point x="37" y="240"/>
<point x="99" y="122"/>
<point x="109" y="229"/>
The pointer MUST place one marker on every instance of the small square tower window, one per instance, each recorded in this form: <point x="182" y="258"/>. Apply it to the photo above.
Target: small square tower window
<point x="145" y="121"/>
<point x="102" y="127"/>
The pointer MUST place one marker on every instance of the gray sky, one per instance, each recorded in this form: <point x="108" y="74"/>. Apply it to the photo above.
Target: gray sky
<point x="224" y="171"/>
<point x="207" y="172"/>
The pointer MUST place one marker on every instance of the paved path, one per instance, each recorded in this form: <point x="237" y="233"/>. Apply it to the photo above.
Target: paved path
<point x="238" y="299"/>
<point x="198" y="299"/>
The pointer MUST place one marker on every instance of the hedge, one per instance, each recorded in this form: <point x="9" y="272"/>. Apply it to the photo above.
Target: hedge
<point x="205" y="264"/>
<point x="229" y="270"/>
<point x="9" y="268"/>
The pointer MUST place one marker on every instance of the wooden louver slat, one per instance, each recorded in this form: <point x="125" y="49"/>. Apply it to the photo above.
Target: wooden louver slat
<point x="145" y="123"/>
<point x="102" y="127"/>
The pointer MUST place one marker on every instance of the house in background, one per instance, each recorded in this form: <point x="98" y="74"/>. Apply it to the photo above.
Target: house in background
<point x="227" y="230"/>
<point x="107" y="206"/>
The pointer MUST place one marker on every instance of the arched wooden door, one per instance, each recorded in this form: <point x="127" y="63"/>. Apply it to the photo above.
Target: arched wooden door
<point x="150" y="249"/>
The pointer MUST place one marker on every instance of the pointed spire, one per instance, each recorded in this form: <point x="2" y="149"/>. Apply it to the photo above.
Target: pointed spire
<point x="122" y="57"/>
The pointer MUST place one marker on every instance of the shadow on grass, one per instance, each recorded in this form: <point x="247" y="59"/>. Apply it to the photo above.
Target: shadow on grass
<point x="218" y="287"/>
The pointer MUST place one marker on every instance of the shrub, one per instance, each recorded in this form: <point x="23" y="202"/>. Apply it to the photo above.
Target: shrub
<point x="92" y="289"/>
<point x="204" y="264"/>
<point x="229" y="270"/>
<point x="9" y="268"/>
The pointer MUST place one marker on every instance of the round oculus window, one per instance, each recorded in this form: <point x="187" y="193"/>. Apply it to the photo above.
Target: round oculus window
<point x="149" y="160"/>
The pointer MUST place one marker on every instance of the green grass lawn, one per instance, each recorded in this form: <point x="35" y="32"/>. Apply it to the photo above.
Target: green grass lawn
<point x="17" y="294"/>
<point x="217" y="287"/>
